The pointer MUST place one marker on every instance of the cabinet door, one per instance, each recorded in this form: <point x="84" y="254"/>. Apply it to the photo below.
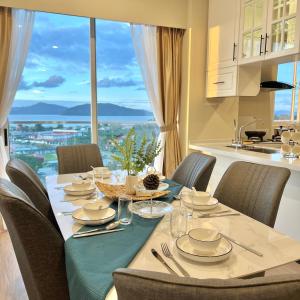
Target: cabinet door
<point x="222" y="33"/>
<point x="283" y="28"/>
<point x="253" y="25"/>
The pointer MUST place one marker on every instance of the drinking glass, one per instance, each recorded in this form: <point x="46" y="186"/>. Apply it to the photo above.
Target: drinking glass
<point x="178" y="222"/>
<point x="124" y="213"/>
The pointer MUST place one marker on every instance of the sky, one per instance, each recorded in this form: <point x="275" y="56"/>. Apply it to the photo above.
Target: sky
<point x="58" y="69"/>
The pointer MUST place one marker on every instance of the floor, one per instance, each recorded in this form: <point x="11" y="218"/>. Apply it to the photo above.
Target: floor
<point x="12" y="286"/>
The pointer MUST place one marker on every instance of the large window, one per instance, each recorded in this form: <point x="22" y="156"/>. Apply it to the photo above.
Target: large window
<point x="53" y="104"/>
<point x="286" y="102"/>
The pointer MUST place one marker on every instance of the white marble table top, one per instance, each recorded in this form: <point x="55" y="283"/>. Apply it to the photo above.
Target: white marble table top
<point x="277" y="249"/>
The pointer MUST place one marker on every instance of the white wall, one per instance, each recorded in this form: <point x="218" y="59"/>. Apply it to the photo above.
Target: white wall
<point x="171" y="13"/>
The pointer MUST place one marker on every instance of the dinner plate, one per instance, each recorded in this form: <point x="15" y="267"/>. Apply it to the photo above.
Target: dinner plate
<point x="221" y="253"/>
<point x="211" y="204"/>
<point x="105" y="174"/>
<point x="150" y="209"/>
<point x="80" y="217"/>
<point x="162" y="187"/>
<point x="79" y="191"/>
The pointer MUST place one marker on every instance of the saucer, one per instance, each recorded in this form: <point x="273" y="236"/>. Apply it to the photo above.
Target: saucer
<point x="210" y="204"/>
<point x="79" y="191"/>
<point x="162" y="187"/>
<point x="105" y="174"/>
<point x="80" y="217"/>
<point x="185" y="248"/>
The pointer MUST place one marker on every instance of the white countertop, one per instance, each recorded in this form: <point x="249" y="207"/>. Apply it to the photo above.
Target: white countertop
<point x="219" y="148"/>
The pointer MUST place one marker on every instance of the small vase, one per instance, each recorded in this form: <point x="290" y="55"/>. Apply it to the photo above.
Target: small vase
<point x="130" y="182"/>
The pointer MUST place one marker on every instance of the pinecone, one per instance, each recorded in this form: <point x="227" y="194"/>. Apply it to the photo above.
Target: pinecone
<point x="151" y="182"/>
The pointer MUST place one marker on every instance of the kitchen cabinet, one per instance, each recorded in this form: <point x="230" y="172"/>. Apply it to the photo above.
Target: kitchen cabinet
<point x="283" y="28"/>
<point x="253" y="30"/>
<point x="223" y="77"/>
<point x="269" y="29"/>
<point x="222" y="41"/>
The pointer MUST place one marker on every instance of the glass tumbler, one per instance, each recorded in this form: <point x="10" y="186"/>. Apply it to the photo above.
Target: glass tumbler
<point x="178" y="222"/>
<point x="124" y="213"/>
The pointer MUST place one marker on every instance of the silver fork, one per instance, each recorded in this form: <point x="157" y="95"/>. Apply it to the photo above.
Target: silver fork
<point x="168" y="254"/>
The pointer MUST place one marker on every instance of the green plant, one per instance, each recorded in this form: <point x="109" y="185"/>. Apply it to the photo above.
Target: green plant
<point x="133" y="157"/>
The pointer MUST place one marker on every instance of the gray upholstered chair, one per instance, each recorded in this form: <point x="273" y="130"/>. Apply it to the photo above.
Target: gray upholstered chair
<point x="195" y="171"/>
<point x="78" y="158"/>
<point x="38" y="246"/>
<point x="136" y="285"/>
<point x="27" y="180"/>
<point x="253" y="189"/>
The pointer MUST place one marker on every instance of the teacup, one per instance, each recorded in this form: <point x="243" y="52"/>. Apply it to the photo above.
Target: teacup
<point x="81" y="184"/>
<point x="204" y="239"/>
<point x="96" y="209"/>
<point x="200" y="197"/>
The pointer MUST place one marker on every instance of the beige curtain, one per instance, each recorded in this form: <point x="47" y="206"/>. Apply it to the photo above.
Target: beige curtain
<point x="169" y="47"/>
<point x="5" y="39"/>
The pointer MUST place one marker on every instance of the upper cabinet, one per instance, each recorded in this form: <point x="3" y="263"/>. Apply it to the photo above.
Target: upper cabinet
<point x="283" y="28"/>
<point x="268" y="29"/>
<point x="223" y="23"/>
<point x="253" y="30"/>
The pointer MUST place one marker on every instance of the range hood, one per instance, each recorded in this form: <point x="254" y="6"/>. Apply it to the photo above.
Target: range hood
<point x="271" y="86"/>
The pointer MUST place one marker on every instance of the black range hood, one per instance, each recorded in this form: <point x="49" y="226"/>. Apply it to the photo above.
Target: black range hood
<point x="270" y="86"/>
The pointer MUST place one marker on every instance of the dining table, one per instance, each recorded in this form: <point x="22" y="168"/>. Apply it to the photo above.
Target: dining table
<point x="277" y="249"/>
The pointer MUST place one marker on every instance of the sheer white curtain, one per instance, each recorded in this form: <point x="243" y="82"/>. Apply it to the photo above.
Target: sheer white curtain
<point x="22" y="23"/>
<point x="144" y="39"/>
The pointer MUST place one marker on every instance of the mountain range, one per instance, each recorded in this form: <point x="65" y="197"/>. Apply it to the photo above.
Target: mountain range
<point x="104" y="109"/>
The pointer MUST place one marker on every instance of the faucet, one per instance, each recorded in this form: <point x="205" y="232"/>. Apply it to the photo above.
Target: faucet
<point x="238" y="142"/>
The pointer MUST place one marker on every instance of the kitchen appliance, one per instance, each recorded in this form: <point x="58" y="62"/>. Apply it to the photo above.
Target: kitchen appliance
<point x="271" y="86"/>
<point x="255" y="135"/>
<point x="278" y="132"/>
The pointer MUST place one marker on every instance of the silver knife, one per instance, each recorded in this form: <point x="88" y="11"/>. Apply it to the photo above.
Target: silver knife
<point x="157" y="255"/>
<point x="243" y="246"/>
<point x="216" y="215"/>
<point x="76" y="236"/>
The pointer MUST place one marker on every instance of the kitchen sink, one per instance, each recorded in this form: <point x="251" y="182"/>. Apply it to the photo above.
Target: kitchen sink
<point x="256" y="149"/>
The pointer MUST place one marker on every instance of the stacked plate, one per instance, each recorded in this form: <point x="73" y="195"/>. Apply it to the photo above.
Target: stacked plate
<point x="77" y="189"/>
<point x="193" y="201"/>
<point x="100" y="172"/>
<point x="80" y="216"/>
<point x="202" y="248"/>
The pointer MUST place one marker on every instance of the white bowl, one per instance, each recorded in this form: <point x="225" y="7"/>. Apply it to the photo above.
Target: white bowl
<point x="96" y="209"/>
<point x="81" y="184"/>
<point x="100" y="170"/>
<point x="200" y="197"/>
<point x="204" y="239"/>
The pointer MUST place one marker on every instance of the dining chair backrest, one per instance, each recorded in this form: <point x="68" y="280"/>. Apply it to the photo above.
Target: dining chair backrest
<point x="38" y="246"/>
<point x="78" y="158"/>
<point x="135" y="285"/>
<point x="253" y="189"/>
<point x="22" y="175"/>
<point x="195" y="171"/>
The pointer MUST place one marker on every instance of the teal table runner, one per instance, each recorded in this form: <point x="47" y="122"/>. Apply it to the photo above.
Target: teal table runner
<point x="91" y="261"/>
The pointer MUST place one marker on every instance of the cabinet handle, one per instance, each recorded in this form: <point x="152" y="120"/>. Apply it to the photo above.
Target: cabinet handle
<point x="233" y="52"/>
<point x="266" y="41"/>
<point x="260" y="45"/>
<point x="5" y="133"/>
<point x="219" y="82"/>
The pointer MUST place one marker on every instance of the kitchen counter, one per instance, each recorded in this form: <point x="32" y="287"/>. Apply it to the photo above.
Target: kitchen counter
<point x="288" y="217"/>
<point x="275" y="159"/>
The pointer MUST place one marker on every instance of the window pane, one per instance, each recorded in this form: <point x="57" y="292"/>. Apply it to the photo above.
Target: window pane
<point x="248" y="16"/>
<point x="52" y="105"/>
<point x="258" y="16"/>
<point x="283" y="99"/>
<point x="256" y="43"/>
<point x="122" y="98"/>
<point x="276" y="36"/>
<point x="289" y="33"/>
<point x="277" y="9"/>
<point x="247" y="45"/>
<point x="290" y="7"/>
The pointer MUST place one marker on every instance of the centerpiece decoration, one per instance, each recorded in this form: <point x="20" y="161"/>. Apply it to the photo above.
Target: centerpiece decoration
<point x="134" y="157"/>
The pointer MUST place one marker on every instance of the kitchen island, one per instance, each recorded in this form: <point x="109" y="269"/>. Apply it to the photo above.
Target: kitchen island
<point x="288" y="218"/>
